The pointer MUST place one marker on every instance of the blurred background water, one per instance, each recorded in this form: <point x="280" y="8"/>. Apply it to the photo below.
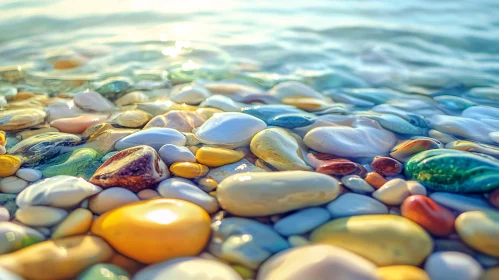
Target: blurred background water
<point x="413" y="45"/>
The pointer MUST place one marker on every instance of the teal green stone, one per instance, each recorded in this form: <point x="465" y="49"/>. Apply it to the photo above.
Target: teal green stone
<point x="103" y="271"/>
<point x="80" y="163"/>
<point x="454" y="171"/>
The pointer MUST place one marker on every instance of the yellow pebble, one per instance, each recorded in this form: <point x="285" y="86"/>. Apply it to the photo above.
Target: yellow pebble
<point x="304" y="103"/>
<point x="260" y="163"/>
<point x="3" y="140"/>
<point x="78" y="222"/>
<point x="208" y="184"/>
<point x="480" y="230"/>
<point x="63" y="64"/>
<point x="188" y="170"/>
<point x="211" y="156"/>
<point x="402" y="272"/>
<point x="28" y="133"/>
<point x="9" y="165"/>
<point x="243" y="271"/>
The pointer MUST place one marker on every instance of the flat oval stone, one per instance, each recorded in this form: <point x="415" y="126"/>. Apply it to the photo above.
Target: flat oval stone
<point x="454" y="171"/>
<point x="229" y="129"/>
<point x="9" y="165"/>
<point x="305" y="103"/>
<point x="92" y="101"/>
<point x="21" y="118"/>
<point x="29" y="174"/>
<point x="12" y="184"/>
<point x="452" y="265"/>
<point x="59" y="191"/>
<point x="213" y="157"/>
<point x="395" y="123"/>
<point x="14" y="237"/>
<point x="294" y="89"/>
<point x="480" y="230"/>
<point x="261" y="194"/>
<point x="110" y="199"/>
<point x="79" y="163"/>
<point x="383" y="239"/>
<point x="61" y="108"/>
<point x="392" y="192"/>
<point x="468" y="128"/>
<point x="80" y="252"/>
<point x="440" y="136"/>
<point x="375" y="180"/>
<point x="302" y="221"/>
<point x="132" y="118"/>
<point x="245" y="241"/>
<point x="131" y="98"/>
<point x="77" y="222"/>
<point x="134" y="168"/>
<point x="180" y="189"/>
<point x="425" y="212"/>
<point x="191" y="95"/>
<point x="386" y="166"/>
<point x="104" y="272"/>
<point x="40" y="216"/>
<point x="172" y="228"/>
<point x="4" y="214"/>
<point x="356" y="184"/>
<point x="154" y="137"/>
<point x="291" y="121"/>
<point x="189" y="170"/>
<point x="402" y="272"/>
<point x="170" y="154"/>
<point x="279" y="148"/>
<point x="469" y="146"/>
<point x="351" y="204"/>
<point x="405" y="150"/>
<point x="318" y="262"/>
<point x="77" y="125"/>
<point x="223" y="103"/>
<point x="337" y="167"/>
<point x="220" y="173"/>
<point x="183" y="121"/>
<point x="460" y="203"/>
<point x="188" y="269"/>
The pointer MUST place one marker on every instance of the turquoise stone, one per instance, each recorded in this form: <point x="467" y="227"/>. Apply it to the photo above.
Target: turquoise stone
<point x="453" y="103"/>
<point x="302" y="221"/>
<point x="291" y="121"/>
<point x="395" y="123"/>
<point x="268" y="112"/>
<point x="113" y="88"/>
<point x="104" y="272"/>
<point x="454" y="171"/>
<point x="79" y="163"/>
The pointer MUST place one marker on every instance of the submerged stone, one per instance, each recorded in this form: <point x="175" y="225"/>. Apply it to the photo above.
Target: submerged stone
<point x="79" y="163"/>
<point x="20" y="119"/>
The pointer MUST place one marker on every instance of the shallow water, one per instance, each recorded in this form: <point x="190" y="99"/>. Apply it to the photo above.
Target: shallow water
<point x="414" y="45"/>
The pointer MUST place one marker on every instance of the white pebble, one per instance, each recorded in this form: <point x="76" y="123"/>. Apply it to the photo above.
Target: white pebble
<point x="392" y="192"/>
<point x="416" y="188"/>
<point x="179" y="189"/>
<point x="4" y="214"/>
<point x="110" y="199"/>
<point x="3" y="151"/>
<point x="171" y="153"/>
<point x="12" y="184"/>
<point x="452" y="265"/>
<point x="40" y="215"/>
<point x="29" y="174"/>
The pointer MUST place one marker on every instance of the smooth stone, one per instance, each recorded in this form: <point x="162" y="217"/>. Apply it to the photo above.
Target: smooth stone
<point x="44" y="146"/>
<point x="337" y="167"/>
<point x="188" y="269"/>
<point x="182" y="121"/>
<point x="395" y="123"/>
<point x="494" y="136"/>
<point x="280" y="149"/>
<point x="132" y="118"/>
<point x="481" y="112"/>
<point x="77" y="222"/>
<point x="318" y="262"/>
<point x="14" y="237"/>
<point x="454" y="171"/>
<point x="214" y="157"/>
<point x="305" y="103"/>
<point x="92" y="101"/>
<point x="291" y="121"/>
<point x="453" y="103"/>
<point x="357" y="184"/>
<point x="40" y="215"/>
<point x="134" y="169"/>
<point x="113" y="88"/>
<point x="9" y="165"/>
<point x="77" y="125"/>
<point x="469" y="146"/>
<point x="460" y="203"/>
<point x="57" y="259"/>
<point x="62" y="108"/>
<point x="480" y="230"/>
<point x="9" y="202"/>
<point x="457" y="245"/>
<point x="261" y="194"/>
<point x="302" y="221"/>
<point x="463" y="127"/>
<point x="7" y="275"/>
<point x="245" y="241"/>
<point x="402" y="272"/>
<point x="65" y="64"/>
<point x="29" y="174"/>
<point x="362" y="138"/>
<point x="229" y="129"/>
<point x="383" y="239"/>
<point x="452" y="265"/>
<point x="208" y="184"/>
<point x="191" y="95"/>
<point x="154" y="137"/>
<point x="188" y="170"/>
<point x="386" y="166"/>
<point x="170" y="154"/>
<point x="375" y="180"/>
<point x="59" y="191"/>
<point x="103" y="137"/>
<point x="392" y="192"/>
<point x="352" y="204"/>
<point x="408" y="148"/>
<point x="440" y="136"/>
<point x="104" y="272"/>
<point x="278" y="114"/>
<point x="416" y="188"/>
<point x="110" y="199"/>
<point x="4" y="214"/>
<point x="79" y="163"/>
<point x="294" y="89"/>
<point x="12" y="184"/>
<point x="483" y="95"/>
<point x="20" y="119"/>
<point x="425" y="212"/>
<point x="179" y="189"/>
<point x="297" y="241"/>
<point x="132" y="98"/>
<point x="148" y="194"/>
<point x="172" y="228"/>
<point x="223" y="103"/>
<point x="220" y="173"/>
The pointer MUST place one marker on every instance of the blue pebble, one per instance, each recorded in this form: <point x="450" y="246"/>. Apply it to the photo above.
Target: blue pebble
<point x="302" y="221"/>
<point x="268" y="112"/>
<point x="291" y="121"/>
<point x="460" y="203"/>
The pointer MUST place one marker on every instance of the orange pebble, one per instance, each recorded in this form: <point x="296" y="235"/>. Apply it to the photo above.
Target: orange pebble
<point x="63" y="64"/>
<point x="375" y="180"/>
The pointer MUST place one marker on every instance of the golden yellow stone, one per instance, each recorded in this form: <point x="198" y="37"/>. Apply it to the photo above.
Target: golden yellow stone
<point x="305" y="103"/>
<point x="402" y="272"/>
<point x="28" y="133"/>
<point x="211" y="156"/>
<point x="382" y="239"/>
<point x="188" y="170"/>
<point x="63" y="64"/>
<point x="151" y="231"/>
<point x="57" y="259"/>
<point x="480" y="230"/>
<point x="490" y="274"/>
<point x="9" y="165"/>
<point x="23" y="95"/>
<point x="78" y="222"/>
<point x="3" y="140"/>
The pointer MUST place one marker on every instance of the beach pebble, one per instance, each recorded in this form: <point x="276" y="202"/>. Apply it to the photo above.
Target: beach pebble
<point x="223" y="103"/>
<point x="148" y="194"/>
<point x="386" y="166"/>
<point x="180" y="189"/>
<point x="191" y="95"/>
<point x="452" y="265"/>
<point x="207" y="184"/>
<point x="12" y="184"/>
<point x="392" y="192"/>
<point x="460" y="203"/>
<point x="294" y="89"/>
<point x="415" y="187"/>
<point x="14" y="237"/>
<point x="302" y="221"/>
<point x="188" y="269"/>
<point x="4" y="214"/>
<point x="170" y="154"/>
<point x="318" y="262"/>
<point x="58" y="191"/>
<point x="213" y="157"/>
<point x="220" y="173"/>
<point x="468" y="128"/>
<point x="172" y="228"/>
<point x="352" y="204"/>
<point x="110" y="199"/>
<point x="131" y="98"/>
<point x="188" y="170"/>
<point x="267" y="193"/>
<point x="424" y="211"/>
<point x="132" y="118"/>
<point x="375" y="180"/>
<point x="29" y="174"/>
<point x="402" y="272"/>
<point x="154" y="137"/>
<point x="357" y="184"/>
<point x="77" y="222"/>
<point x="408" y="148"/>
<point x="383" y="239"/>
<point x="77" y="125"/>
<point x="21" y="118"/>
<point x="40" y="215"/>
<point x="92" y="101"/>
<point x="104" y="272"/>
<point x="9" y="165"/>
<point x="480" y="230"/>
<point x="337" y="167"/>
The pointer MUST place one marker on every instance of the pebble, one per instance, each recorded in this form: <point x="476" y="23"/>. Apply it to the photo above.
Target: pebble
<point x="402" y="272"/>
<point x="214" y="157"/>
<point x="170" y="154"/>
<point x="318" y="262"/>
<point x="77" y="222"/>
<point x="20" y="119"/>
<point x="405" y="150"/>
<point x="29" y="174"/>
<point x="12" y="184"/>
<point x="480" y="230"/>
<point x="62" y="108"/>
<point x="183" y="190"/>
<point x="452" y="265"/>
<point x="172" y="228"/>
<point x="40" y="216"/>
<point x="188" y="170"/>
<point x="14" y="237"/>
<point x="182" y="121"/>
<point x="375" y="180"/>
<point x="294" y="89"/>
<point x="460" y="203"/>
<point x="4" y="214"/>
<point x="352" y="204"/>
<point x="148" y="194"/>
<point x="424" y="211"/>
<point x="383" y="239"/>
<point x="337" y="167"/>
<point x="416" y="188"/>
<point x="386" y="166"/>
<point x="223" y="103"/>
<point x="208" y="184"/>
<point x="302" y="221"/>
<point x="469" y="146"/>
<point x="267" y="193"/>
<point x="392" y="192"/>
<point x="132" y="118"/>
<point x="191" y="95"/>
<point x="131" y="98"/>
<point x="59" y="191"/>
<point x="7" y="275"/>
<point x="357" y="184"/>
<point x="9" y="165"/>
<point x="92" y="101"/>
<point x="153" y="137"/>
<point x="77" y="125"/>
<point x="79" y="163"/>
<point x="188" y="268"/>
<point x="220" y="173"/>
<point x="110" y="199"/>
<point x="440" y="136"/>
<point x="57" y="259"/>
<point x="468" y="128"/>
<point x="104" y="272"/>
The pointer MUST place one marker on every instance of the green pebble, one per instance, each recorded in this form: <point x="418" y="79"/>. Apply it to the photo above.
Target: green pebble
<point x="80" y="163"/>
<point x="102" y="271"/>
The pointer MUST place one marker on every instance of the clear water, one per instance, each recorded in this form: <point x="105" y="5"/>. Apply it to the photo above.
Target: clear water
<point x="413" y="45"/>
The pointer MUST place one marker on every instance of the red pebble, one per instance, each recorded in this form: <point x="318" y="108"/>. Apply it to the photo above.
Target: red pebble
<point x="494" y="198"/>
<point x="387" y="166"/>
<point x="337" y="167"/>
<point x="425" y="212"/>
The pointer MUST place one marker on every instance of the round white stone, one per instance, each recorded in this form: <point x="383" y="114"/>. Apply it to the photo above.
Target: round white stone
<point x="4" y="214"/>
<point x="110" y="199"/>
<point x="12" y="184"/>
<point x="29" y="174"/>
<point x="452" y="265"/>
<point x="40" y="215"/>
<point x="171" y="153"/>
<point x="92" y="101"/>
<point x="191" y="95"/>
